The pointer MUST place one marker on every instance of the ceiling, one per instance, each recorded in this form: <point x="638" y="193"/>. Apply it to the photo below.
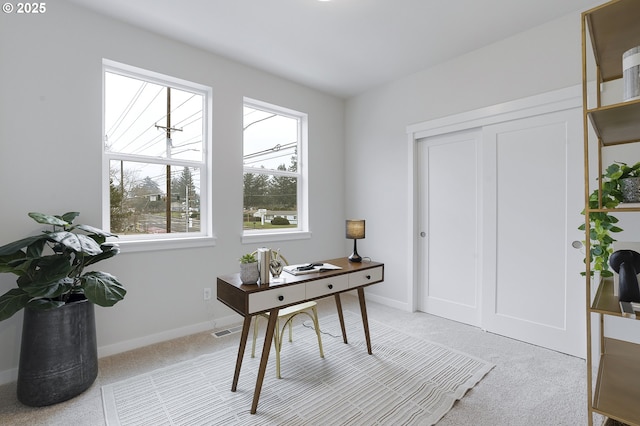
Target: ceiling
<point x="343" y="47"/>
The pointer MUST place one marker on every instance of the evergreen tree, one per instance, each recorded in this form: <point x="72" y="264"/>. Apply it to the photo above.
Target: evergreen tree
<point x="183" y="189"/>
<point x="255" y="190"/>
<point x="117" y="210"/>
<point x="282" y="192"/>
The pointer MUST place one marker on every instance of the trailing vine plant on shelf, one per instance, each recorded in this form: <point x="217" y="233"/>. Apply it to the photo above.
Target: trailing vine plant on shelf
<point x="603" y="224"/>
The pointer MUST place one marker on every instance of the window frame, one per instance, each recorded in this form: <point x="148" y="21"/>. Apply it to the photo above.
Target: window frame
<point x="302" y="230"/>
<point x="148" y="242"/>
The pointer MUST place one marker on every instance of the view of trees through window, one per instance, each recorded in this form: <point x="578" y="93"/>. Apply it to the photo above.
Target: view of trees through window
<point x="139" y="205"/>
<point x="154" y="146"/>
<point x="271" y="171"/>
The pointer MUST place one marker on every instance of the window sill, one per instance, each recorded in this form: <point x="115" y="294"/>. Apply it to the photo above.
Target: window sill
<point x="268" y="237"/>
<point x="132" y="246"/>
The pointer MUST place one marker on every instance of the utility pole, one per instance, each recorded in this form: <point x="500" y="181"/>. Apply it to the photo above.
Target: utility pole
<point x="186" y="199"/>
<point x="168" y="130"/>
<point x="168" y="156"/>
<point x="121" y="186"/>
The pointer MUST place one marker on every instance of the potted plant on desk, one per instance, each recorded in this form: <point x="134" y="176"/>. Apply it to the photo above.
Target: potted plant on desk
<point x="58" y="355"/>
<point x="249" y="273"/>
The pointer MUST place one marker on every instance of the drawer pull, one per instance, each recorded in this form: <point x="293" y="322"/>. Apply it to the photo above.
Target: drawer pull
<point x="281" y="298"/>
<point x="368" y="277"/>
<point x="330" y="286"/>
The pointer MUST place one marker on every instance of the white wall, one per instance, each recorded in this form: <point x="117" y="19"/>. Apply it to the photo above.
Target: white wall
<point x="50" y="159"/>
<point x="542" y="59"/>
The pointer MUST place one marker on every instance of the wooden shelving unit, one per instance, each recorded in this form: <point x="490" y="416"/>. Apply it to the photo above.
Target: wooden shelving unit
<point x="617" y="392"/>
<point x="616" y="124"/>
<point x="610" y="30"/>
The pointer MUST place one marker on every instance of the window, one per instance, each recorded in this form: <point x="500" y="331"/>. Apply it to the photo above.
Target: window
<point x="156" y="156"/>
<point x="274" y="186"/>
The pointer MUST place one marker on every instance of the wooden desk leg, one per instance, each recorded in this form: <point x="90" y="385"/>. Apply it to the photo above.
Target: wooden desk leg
<point x="365" y="320"/>
<point x="339" y="308"/>
<point x="243" y="343"/>
<point x="268" y="338"/>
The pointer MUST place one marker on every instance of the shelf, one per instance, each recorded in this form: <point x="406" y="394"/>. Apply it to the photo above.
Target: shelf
<point x="605" y="302"/>
<point x="622" y="207"/>
<point x="614" y="29"/>
<point x="617" y="390"/>
<point x="616" y="124"/>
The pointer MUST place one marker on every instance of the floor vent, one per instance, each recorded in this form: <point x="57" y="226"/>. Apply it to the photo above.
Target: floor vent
<point x="226" y="332"/>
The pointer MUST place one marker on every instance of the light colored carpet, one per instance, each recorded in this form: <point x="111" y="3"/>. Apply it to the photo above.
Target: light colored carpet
<point x="407" y="380"/>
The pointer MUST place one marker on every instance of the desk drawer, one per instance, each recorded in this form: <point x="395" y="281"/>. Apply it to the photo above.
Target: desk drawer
<point x="327" y="286"/>
<point x="367" y="276"/>
<point x="268" y="299"/>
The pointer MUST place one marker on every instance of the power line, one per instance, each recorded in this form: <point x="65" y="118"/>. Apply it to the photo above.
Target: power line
<point x="136" y="120"/>
<point x="274" y="148"/>
<point x="257" y="121"/>
<point x="161" y="137"/>
<point x="127" y="109"/>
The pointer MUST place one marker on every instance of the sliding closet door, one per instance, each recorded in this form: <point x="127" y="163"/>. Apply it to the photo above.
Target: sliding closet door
<point x="532" y="288"/>
<point x="448" y="180"/>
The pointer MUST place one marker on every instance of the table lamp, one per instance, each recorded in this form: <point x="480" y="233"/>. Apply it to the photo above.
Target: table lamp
<point x="355" y="231"/>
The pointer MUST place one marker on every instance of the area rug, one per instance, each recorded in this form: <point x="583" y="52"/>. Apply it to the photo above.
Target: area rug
<point x="407" y="381"/>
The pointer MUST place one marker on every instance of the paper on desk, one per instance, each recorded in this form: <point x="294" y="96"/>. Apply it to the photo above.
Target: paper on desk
<point x="293" y="269"/>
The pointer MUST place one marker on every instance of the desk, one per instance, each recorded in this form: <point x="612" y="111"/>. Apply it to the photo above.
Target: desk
<point x="252" y="299"/>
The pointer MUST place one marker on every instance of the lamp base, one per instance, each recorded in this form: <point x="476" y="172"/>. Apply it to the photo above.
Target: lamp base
<point x="355" y="257"/>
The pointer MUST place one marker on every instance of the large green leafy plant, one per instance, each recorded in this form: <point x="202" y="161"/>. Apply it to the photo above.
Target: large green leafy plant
<point x="601" y="223"/>
<point x="50" y="266"/>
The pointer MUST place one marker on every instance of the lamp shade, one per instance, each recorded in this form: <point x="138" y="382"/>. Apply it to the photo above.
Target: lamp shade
<point x="354" y="229"/>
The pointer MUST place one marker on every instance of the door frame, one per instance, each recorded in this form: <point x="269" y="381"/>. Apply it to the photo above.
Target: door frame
<point x="554" y="101"/>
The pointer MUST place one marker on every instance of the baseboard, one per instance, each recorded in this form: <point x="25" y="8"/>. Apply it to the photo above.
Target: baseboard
<point x="388" y="302"/>
<point x="8" y="376"/>
<point x="175" y="333"/>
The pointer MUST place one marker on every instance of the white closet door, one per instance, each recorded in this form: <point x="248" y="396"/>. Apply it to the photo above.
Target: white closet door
<point x="448" y="248"/>
<point x="533" y="196"/>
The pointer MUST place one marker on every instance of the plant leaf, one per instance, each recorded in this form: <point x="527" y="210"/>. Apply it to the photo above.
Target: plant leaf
<point x="11" y="302"/>
<point x="102" y="288"/>
<point x="70" y="216"/>
<point x="16" y="246"/>
<point x="11" y="263"/>
<point x="92" y="230"/>
<point x="34" y="250"/>
<point x="48" y="219"/>
<point x="50" y="269"/>
<point x="44" y="304"/>
<point x="108" y="250"/>
<point x="76" y="242"/>
<point x="49" y="289"/>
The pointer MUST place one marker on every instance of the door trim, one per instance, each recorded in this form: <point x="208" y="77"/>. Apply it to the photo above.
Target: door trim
<point x="554" y="101"/>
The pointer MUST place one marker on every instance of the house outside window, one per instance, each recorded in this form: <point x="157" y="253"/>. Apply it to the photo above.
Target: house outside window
<point x="274" y="172"/>
<point x="156" y="157"/>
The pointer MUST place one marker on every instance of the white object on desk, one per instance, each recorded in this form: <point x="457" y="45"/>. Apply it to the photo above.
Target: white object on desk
<point x="301" y="270"/>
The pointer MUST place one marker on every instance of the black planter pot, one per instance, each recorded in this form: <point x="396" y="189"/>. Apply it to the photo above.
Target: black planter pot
<point x="58" y="354"/>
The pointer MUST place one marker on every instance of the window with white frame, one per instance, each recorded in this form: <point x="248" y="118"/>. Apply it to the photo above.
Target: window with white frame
<point x="274" y="185"/>
<point x="156" y="156"/>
